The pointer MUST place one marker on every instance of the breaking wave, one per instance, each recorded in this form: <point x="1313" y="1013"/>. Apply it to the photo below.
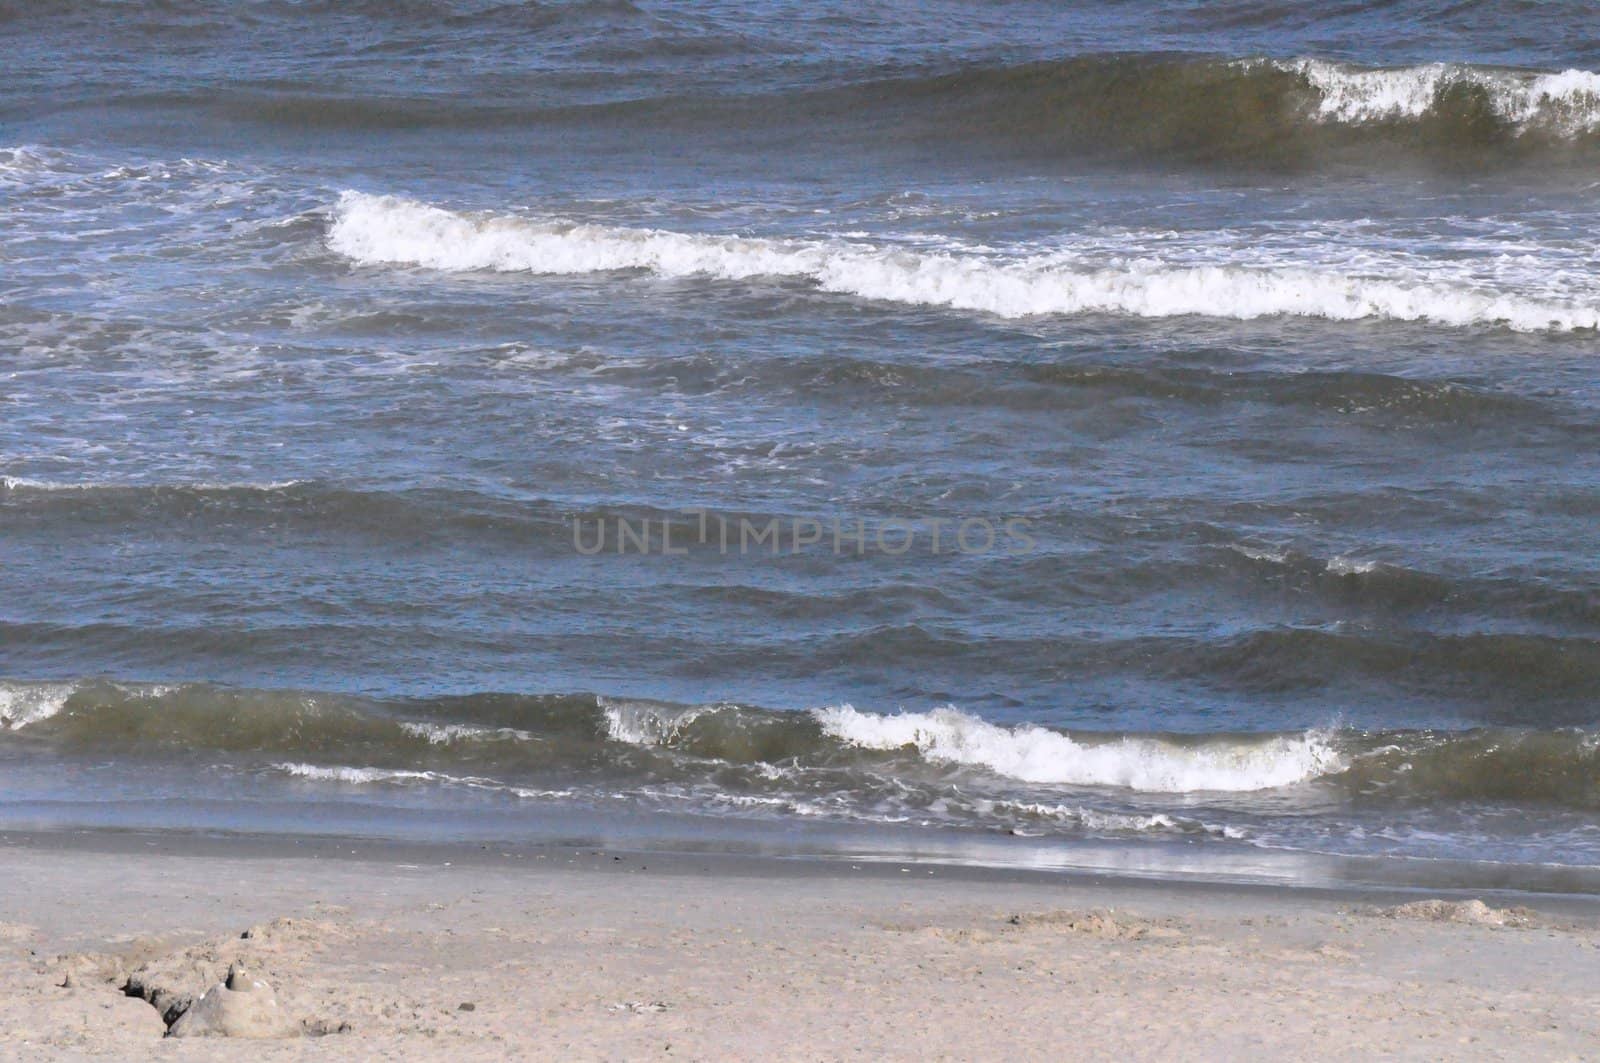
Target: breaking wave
<point x="1298" y="114"/>
<point x="944" y="758"/>
<point x="1564" y="103"/>
<point x="24" y="703"/>
<point x="1248" y="111"/>
<point x="1223" y="281"/>
<point x="25" y="159"/>
<point x="1037" y="755"/>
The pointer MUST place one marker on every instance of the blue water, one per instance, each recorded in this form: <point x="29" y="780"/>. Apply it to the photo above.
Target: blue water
<point x="329" y="333"/>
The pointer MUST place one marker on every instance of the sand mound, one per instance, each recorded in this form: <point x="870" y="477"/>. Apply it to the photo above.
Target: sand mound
<point x="1471" y="913"/>
<point x="243" y="1006"/>
<point x="179" y="982"/>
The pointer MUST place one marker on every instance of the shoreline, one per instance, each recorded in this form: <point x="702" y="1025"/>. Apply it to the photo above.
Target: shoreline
<point x="1332" y="805"/>
<point x="436" y="835"/>
<point x="589" y="953"/>
<point x="720" y="858"/>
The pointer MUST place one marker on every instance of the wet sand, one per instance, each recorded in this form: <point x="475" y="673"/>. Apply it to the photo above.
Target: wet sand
<point x="383" y="950"/>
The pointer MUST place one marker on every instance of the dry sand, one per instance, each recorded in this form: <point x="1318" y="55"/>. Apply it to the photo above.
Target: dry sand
<point x="381" y="951"/>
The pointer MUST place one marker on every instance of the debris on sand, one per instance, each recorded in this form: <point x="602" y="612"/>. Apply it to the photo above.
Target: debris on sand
<point x="1100" y="923"/>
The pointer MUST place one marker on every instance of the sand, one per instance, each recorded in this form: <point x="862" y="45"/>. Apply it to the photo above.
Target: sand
<point x="385" y="951"/>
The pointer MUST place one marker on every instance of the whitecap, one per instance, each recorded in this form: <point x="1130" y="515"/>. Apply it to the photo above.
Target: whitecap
<point x="1223" y="281"/>
<point x="1037" y="755"/>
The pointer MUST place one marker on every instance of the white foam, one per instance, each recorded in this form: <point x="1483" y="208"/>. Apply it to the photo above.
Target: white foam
<point x="1233" y="278"/>
<point x="264" y="486"/>
<point x="25" y="159"/>
<point x="644" y="724"/>
<point x="1336" y="566"/>
<point x="1098" y="821"/>
<point x="1566" y="103"/>
<point x="355" y="776"/>
<point x="447" y="733"/>
<point x="1273" y="557"/>
<point x="23" y="483"/>
<point x="1036" y="755"/>
<point x="25" y="703"/>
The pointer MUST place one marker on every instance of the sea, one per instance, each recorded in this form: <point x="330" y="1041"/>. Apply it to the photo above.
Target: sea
<point x="1160" y="438"/>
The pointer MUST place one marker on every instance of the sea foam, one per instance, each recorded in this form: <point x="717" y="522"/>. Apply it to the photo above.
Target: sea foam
<point x="443" y="734"/>
<point x="1566" y="103"/>
<point x="358" y="776"/>
<point x="24" y="703"/>
<point x="24" y="483"/>
<point x="386" y="230"/>
<point x="646" y="724"/>
<point x="25" y="159"/>
<point x="1037" y="755"/>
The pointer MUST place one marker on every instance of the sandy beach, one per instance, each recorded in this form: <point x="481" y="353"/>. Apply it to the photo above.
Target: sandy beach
<point x="381" y="950"/>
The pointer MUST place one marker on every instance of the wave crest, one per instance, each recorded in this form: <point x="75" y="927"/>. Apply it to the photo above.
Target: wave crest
<point x="25" y="703"/>
<point x="1036" y="755"/>
<point x="1565" y="103"/>
<point x="22" y="484"/>
<point x="388" y="230"/>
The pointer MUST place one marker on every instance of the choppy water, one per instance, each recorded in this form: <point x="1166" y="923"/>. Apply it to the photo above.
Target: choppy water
<point x="1242" y="355"/>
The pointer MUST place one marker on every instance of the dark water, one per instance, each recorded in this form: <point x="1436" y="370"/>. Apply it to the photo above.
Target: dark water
<point x="1240" y="355"/>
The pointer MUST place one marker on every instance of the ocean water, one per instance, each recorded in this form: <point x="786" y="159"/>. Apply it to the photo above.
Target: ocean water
<point x="1160" y="436"/>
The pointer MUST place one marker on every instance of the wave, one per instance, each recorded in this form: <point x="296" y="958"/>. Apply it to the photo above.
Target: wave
<point x="157" y="717"/>
<point x="1564" y="103"/>
<point x="1383" y="400"/>
<point x="1397" y="399"/>
<point x="360" y="776"/>
<point x="23" y="704"/>
<point x="1252" y="112"/>
<point x="186" y="18"/>
<point x="446" y="733"/>
<point x="25" y="159"/>
<point x="1255" y="112"/>
<point x="943" y="757"/>
<point x="387" y="230"/>
<point x="1558" y="768"/>
<point x="1102" y="822"/>
<point x="1037" y="755"/>
<point x="1029" y="818"/>
<point x="486" y="511"/>
<point x="1398" y="591"/>
<point x="445" y="511"/>
<point x="23" y="484"/>
<point x="356" y="776"/>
